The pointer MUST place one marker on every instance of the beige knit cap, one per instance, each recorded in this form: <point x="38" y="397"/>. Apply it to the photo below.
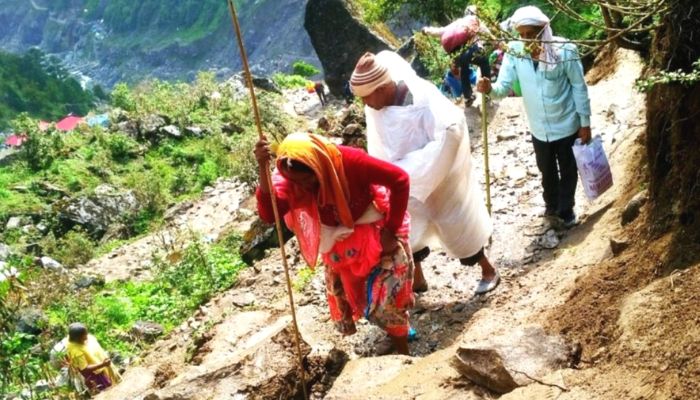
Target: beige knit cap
<point x="368" y="76"/>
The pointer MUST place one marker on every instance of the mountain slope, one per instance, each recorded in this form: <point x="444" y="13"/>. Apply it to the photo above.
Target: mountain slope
<point x="119" y="40"/>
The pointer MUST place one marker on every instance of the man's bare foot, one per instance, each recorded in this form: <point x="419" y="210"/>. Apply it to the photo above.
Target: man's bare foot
<point x="419" y="283"/>
<point x="488" y="272"/>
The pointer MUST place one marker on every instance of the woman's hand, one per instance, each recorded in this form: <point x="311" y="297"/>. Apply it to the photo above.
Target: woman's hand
<point x="389" y="243"/>
<point x="263" y="155"/>
<point x="262" y="152"/>
<point x="106" y="362"/>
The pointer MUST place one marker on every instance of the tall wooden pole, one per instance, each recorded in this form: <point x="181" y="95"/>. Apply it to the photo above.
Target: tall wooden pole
<point x="278" y="224"/>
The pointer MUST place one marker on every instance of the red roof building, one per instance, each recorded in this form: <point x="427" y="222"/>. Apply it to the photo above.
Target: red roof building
<point x="69" y="123"/>
<point x="15" y="140"/>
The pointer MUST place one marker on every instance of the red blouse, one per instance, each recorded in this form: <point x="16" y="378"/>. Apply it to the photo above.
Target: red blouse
<point x="361" y="171"/>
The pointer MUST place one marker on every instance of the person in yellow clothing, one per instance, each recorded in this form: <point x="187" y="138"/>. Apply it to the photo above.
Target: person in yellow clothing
<point x="87" y="356"/>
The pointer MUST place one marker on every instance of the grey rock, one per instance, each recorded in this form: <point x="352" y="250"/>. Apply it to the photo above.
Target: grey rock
<point x="5" y="252"/>
<point x="172" y="131"/>
<point x="147" y="331"/>
<point x="129" y="128"/>
<point x="13" y="223"/>
<point x="632" y="209"/>
<point x="97" y="212"/>
<point x="266" y="84"/>
<point x="353" y="130"/>
<point x="504" y="363"/>
<point x="345" y="32"/>
<point x="243" y="299"/>
<point x="550" y="240"/>
<point x="86" y="281"/>
<point x="193" y="131"/>
<point x="150" y="124"/>
<point x="50" y="263"/>
<point x="31" y="321"/>
<point x="260" y="237"/>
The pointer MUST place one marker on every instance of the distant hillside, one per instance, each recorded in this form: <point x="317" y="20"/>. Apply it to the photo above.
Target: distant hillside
<point x="124" y="40"/>
<point x="38" y="85"/>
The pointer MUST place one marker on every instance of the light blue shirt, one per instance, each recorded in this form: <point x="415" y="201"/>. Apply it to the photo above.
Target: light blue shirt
<point x="556" y="101"/>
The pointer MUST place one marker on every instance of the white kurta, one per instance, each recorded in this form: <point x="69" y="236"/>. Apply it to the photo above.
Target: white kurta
<point x="430" y="141"/>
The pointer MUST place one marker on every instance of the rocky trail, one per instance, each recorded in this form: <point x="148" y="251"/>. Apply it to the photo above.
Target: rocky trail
<point x="527" y="336"/>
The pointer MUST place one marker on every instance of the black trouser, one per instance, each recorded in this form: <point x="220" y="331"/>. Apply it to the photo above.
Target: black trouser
<point x="472" y="55"/>
<point x="557" y="164"/>
<point x="423" y="253"/>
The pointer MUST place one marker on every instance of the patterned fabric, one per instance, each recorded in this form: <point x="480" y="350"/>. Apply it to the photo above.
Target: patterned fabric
<point x="360" y="283"/>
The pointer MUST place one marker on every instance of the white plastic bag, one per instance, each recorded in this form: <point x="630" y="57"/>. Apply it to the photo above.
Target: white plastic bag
<point x="593" y="167"/>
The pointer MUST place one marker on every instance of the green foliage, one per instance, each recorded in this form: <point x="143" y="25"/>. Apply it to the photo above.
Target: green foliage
<point x="668" y="77"/>
<point x="121" y="97"/>
<point x="121" y="147"/>
<point x="443" y="12"/>
<point x="435" y="59"/>
<point x="286" y="81"/>
<point x="40" y="148"/>
<point x="304" y="277"/>
<point x="176" y="290"/>
<point x="109" y="312"/>
<point x="38" y="85"/>
<point x="304" y="69"/>
<point x="73" y="249"/>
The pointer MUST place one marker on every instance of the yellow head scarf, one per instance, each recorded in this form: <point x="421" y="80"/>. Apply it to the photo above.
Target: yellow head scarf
<point x="324" y="158"/>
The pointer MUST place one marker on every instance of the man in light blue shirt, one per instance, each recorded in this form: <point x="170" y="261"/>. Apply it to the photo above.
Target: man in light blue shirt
<point x="556" y="103"/>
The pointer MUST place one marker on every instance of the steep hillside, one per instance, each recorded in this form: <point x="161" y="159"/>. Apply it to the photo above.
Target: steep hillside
<point x="118" y="40"/>
<point x="37" y="85"/>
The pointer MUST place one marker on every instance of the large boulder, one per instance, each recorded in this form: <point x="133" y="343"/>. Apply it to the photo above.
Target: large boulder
<point x="339" y="38"/>
<point x="502" y="364"/>
<point x="97" y="212"/>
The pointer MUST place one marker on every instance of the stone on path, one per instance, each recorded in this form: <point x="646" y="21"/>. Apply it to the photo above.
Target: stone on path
<point x="632" y="209"/>
<point x="550" y="240"/>
<point x="504" y="363"/>
<point x="243" y="299"/>
<point x="147" y="331"/>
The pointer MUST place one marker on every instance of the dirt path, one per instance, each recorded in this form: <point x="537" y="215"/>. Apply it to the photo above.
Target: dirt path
<point x="536" y="280"/>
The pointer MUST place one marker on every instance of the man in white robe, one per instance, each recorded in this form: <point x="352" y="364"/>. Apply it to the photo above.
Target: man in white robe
<point x="412" y="125"/>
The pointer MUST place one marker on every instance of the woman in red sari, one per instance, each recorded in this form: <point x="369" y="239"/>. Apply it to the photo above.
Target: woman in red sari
<point x="349" y="208"/>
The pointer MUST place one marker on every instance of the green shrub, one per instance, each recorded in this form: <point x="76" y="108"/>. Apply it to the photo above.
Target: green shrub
<point x="38" y="150"/>
<point x="72" y="249"/>
<point x="289" y="81"/>
<point x="121" y="147"/>
<point x="304" y="69"/>
<point x="123" y="98"/>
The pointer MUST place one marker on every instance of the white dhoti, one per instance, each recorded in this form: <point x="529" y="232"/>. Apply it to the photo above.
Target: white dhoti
<point x="430" y="141"/>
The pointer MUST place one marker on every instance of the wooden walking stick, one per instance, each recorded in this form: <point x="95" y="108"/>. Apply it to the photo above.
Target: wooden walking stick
<point x="278" y="224"/>
<point x="484" y="133"/>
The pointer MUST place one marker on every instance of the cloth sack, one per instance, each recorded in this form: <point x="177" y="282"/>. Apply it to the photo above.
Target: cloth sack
<point x="593" y="167"/>
<point x="459" y="33"/>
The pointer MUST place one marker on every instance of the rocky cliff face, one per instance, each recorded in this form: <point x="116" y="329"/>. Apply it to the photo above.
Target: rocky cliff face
<point x="152" y="40"/>
<point x="339" y="39"/>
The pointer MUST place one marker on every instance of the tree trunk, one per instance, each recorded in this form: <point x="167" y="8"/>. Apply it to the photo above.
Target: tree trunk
<point x="673" y="137"/>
